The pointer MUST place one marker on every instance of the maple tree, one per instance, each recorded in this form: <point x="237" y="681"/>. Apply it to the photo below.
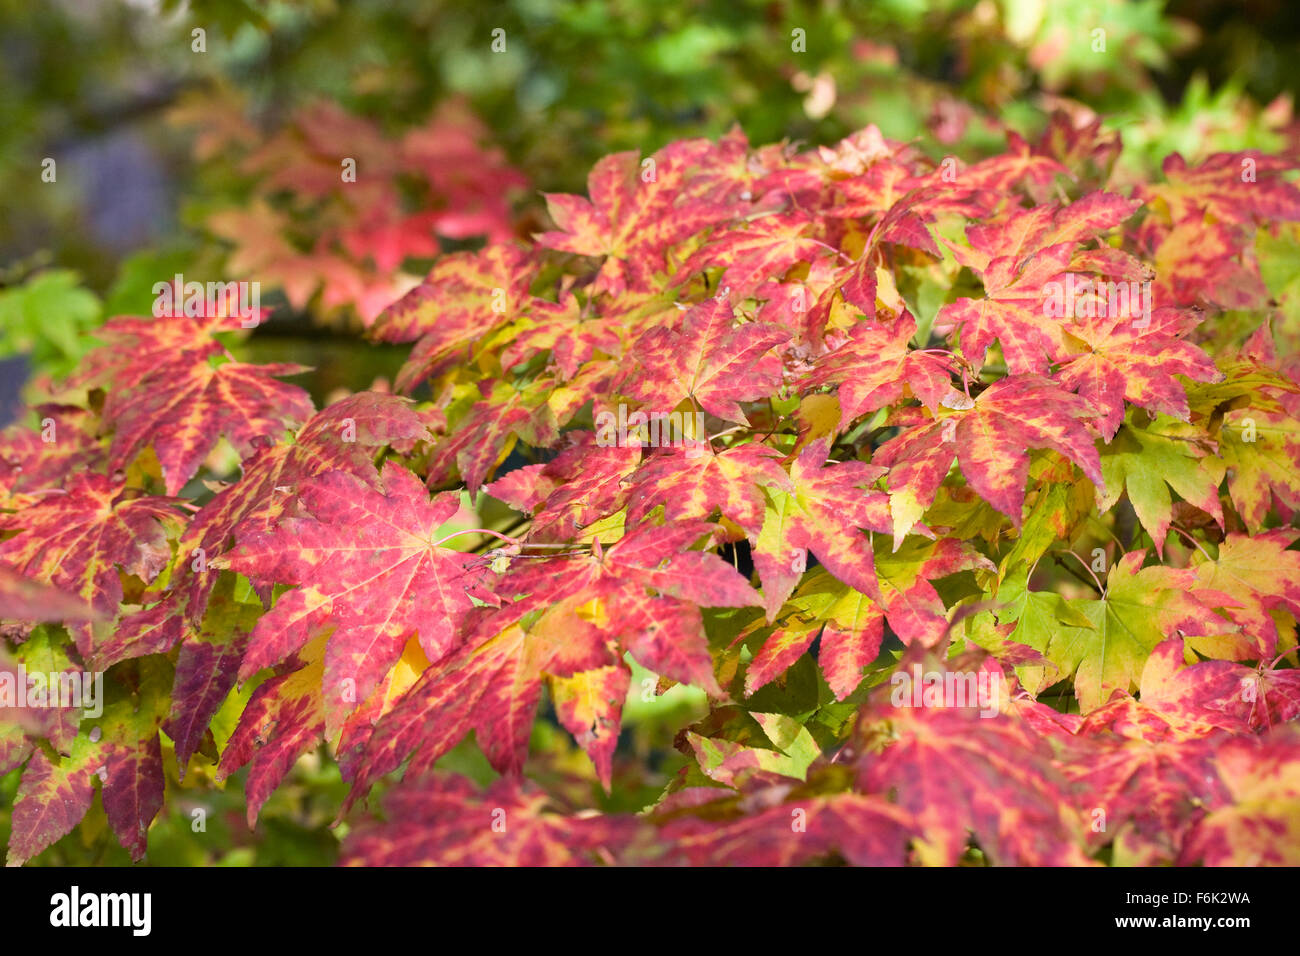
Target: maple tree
<point x="854" y="442"/>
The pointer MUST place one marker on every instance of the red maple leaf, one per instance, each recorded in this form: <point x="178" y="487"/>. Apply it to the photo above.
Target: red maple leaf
<point x="710" y="360"/>
<point x="368" y="564"/>
<point x="176" y="388"/>
<point x="990" y="440"/>
<point x="443" y="820"/>
<point x="635" y="214"/>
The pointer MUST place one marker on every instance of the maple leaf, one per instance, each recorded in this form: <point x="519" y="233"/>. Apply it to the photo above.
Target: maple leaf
<point x="875" y="368"/>
<point x="589" y="705"/>
<point x="1261" y="447"/>
<point x="79" y="539"/>
<point x="1143" y="461"/>
<point x="283" y="719"/>
<point x="912" y="605"/>
<point x="653" y="582"/>
<point x="854" y="622"/>
<point x="207" y="666"/>
<point x="1020" y="258"/>
<point x="369" y="565"/>
<point x="465" y="296"/>
<point x="32" y="461"/>
<point x="692" y="484"/>
<point x="850" y="625"/>
<point x="1261" y="566"/>
<point x="46" y="714"/>
<point x="1019" y="163"/>
<point x="1019" y="233"/>
<point x="341" y="437"/>
<point x="990" y="442"/>
<point x="755" y="251"/>
<point x="1126" y="754"/>
<point x="261" y="248"/>
<point x="1211" y="695"/>
<point x="707" y="360"/>
<point x="486" y="433"/>
<point x="1012" y="311"/>
<point x="743" y="749"/>
<point x="180" y="390"/>
<point x="824" y="515"/>
<point x="358" y="232"/>
<point x="1121" y="362"/>
<point x="569" y="332"/>
<point x="584" y="482"/>
<point x="122" y="749"/>
<point x="862" y="830"/>
<point x="1077" y="139"/>
<point x="1261" y="825"/>
<point x="132" y="760"/>
<point x="1200" y="264"/>
<point x="23" y="599"/>
<point x="492" y="686"/>
<point x="1219" y="188"/>
<point x="444" y="820"/>
<point x="1140" y="608"/>
<point x="53" y="795"/>
<point x="493" y="682"/>
<point x="631" y="220"/>
<point x="959" y="775"/>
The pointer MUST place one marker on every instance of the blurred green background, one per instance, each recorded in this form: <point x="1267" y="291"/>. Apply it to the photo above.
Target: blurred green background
<point x="144" y="138"/>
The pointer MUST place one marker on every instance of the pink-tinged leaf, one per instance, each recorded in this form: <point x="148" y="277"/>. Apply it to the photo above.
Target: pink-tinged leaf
<point x="861" y="830"/>
<point x="757" y="251"/>
<point x="633" y="218"/>
<point x="22" y="599"/>
<point x="205" y="675"/>
<point x="51" y="800"/>
<point x="960" y="774"/>
<point x="81" y="540"/>
<point x="1219" y="188"/>
<point x="692" y="483"/>
<point x="708" y="360"/>
<point x="1261" y="824"/>
<point x="1124" y="358"/>
<point x="585" y="482"/>
<point x="133" y="789"/>
<point x="875" y="367"/>
<point x="589" y="705"/>
<point x="367" y="564"/>
<point x="990" y="440"/>
<point x="283" y="719"/>
<point x="444" y="820"/>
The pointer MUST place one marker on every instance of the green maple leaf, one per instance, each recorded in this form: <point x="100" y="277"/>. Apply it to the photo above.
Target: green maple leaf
<point x="1140" y="608"/>
<point x="1147" y="462"/>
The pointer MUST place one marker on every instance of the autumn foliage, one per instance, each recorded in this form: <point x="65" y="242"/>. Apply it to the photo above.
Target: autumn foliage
<point x="879" y="450"/>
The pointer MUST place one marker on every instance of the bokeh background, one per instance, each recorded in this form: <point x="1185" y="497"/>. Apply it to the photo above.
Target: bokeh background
<point x="144" y="138"/>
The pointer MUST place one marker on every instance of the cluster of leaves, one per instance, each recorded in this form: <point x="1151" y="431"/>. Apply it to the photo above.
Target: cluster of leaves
<point x="297" y="226"/>
<point x="24" y="330"/>
<point x="889" y="455"/>
<point x="331" y="205"/>
<point x="573" y="81"/>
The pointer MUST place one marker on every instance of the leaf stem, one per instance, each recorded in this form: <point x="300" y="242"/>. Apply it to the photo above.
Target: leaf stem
<point x="1189" y="537"/>
<point x="487" y="531"/>
<point x="1087" y="567"/>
